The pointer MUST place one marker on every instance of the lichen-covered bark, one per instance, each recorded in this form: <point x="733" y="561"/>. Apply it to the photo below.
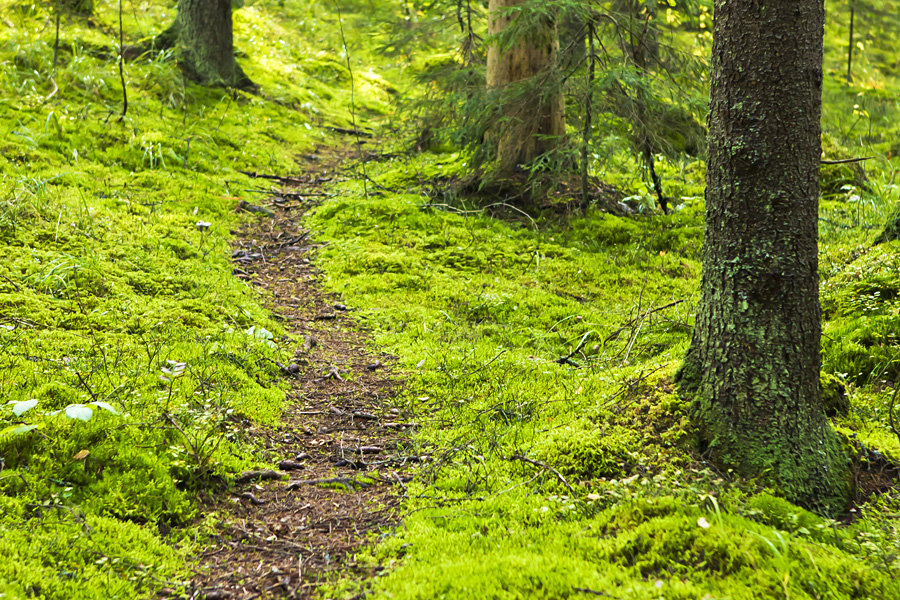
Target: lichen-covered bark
<point x="535" y="123"/>
<point x="754" y="361"/>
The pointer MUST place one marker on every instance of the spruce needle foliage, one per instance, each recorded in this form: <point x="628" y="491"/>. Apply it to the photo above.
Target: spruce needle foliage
<point x="658" y="102"/>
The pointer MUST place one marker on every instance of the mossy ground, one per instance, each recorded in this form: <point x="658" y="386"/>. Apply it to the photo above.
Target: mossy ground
<point x="106" y="277"/>
<point x="116" y="286"/>
<point x="481" y="310"/>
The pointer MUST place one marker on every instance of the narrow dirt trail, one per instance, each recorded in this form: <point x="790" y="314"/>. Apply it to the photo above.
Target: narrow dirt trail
<point x="338" y="453"/>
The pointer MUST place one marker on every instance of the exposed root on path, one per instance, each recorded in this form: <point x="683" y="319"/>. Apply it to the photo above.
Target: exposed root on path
<point x="338" y="457"/>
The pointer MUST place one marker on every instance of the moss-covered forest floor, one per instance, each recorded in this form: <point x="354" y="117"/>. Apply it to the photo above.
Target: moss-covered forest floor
<point x="457" y="397"/>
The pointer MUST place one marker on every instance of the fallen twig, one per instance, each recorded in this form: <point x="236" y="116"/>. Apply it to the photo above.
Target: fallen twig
<point x="248" y="476"/>
<point x="629" y="385"/>
<point x="346" y="482"/>
<point x="403" y="485"/>
<point x="252" y="498"/>
<point x="55" y="89"/>
<point x="280" y="178"/>
<point x="593" y="592"/>
<point x="641" y="316"/>
<point x="567" y="360"/>
<point x="845" y="160"/>
<point x="544" y="465"/>
<point x="14" y="284"/>
<point x="355" y="132"/>
<point x="364" y="415"/>
<point x="891" y="410"/>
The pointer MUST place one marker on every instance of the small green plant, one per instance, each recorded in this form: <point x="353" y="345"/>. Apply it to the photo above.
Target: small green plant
<point x="74" y="412"/>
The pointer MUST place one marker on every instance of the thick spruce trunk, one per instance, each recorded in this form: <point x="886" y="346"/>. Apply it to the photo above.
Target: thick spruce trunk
<point x="753" y="364"/>
<point x="202" y="32"/>
<point x="535" y="123"/>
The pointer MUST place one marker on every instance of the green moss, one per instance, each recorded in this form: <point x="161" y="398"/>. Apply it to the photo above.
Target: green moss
<point x="861" y="303"/>
<point x="780" y="513"/>
<point x="490" y="306"/>
<point x="585" y="451"/>
<point x="834" y="179"/>
<point x="834" y="396"/>
<point x="106" y="280"/>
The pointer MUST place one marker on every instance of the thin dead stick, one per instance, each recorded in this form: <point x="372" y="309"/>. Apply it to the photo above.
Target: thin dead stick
<point x="544" y="465"/>
<point x="891" y="410"/>
<point x="567" y="359"/>
<point x="636" y="334"/>
<point x="344" y="481"/>
<point x="641" y="316"/>
<point x="52" y="93"/>
<point x="56" y="42"/>
<point x="400" y="481"/>
<point x="362" y="159"/>
<point x="845" y="160"/>
<point x="122" y="65"/>
<point x="630" y="385"/>
<point x="255" y="175"/>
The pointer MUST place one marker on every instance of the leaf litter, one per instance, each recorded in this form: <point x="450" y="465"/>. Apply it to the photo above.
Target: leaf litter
<point x="339" y="447"/>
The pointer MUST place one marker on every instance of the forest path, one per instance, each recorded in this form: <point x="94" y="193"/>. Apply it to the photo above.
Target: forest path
<point x="339" y="440"/>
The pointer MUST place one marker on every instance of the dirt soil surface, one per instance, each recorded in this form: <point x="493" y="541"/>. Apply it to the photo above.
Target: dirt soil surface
<point x="339" y="458"/>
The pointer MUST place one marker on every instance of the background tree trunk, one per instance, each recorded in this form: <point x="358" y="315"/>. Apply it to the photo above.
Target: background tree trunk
<point x="521" y="139"/>
<point x="641" y="40"/>
<point x="77" y="7"/>
<point x="754" y="361"/>
<point x="202" y="31"/>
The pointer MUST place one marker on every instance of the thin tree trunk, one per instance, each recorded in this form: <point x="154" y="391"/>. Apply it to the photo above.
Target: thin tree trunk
<point x="754" y="360"/>
<point x="588" y="105"/>
<point x="535" y="123"/>
<point x="850" y="50"/>
<point x="642" y="48"/>
<point x="122" y="65"/>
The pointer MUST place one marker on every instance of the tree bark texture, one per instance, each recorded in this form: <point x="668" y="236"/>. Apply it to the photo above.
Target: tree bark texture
<point x="534" y="123"/>
<point x="754" y="360"/>
<point x="202" y="31"/>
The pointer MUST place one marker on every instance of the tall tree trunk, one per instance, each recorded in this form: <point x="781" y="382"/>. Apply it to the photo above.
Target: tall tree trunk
<point x="535" y="123"/>
<point x="77" y="7"/>
<point x="202" y="31"/>
<point x="754" y="360"/>
<point x="850" y="49"/>
<point x="642" y="34"/>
